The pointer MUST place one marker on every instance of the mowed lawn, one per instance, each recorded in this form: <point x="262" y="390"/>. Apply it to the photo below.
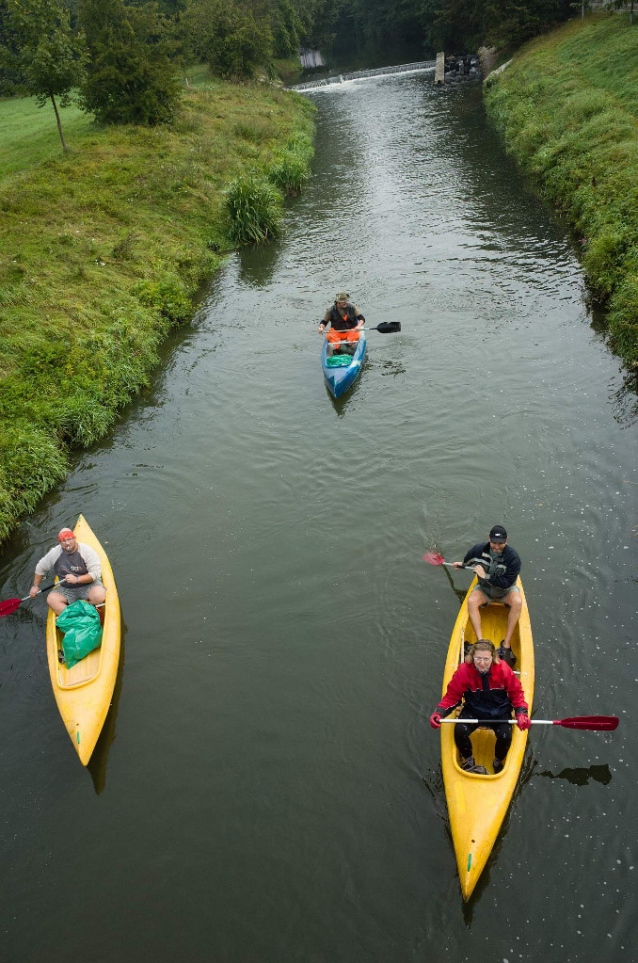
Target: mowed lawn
<point x="29" y="134"/>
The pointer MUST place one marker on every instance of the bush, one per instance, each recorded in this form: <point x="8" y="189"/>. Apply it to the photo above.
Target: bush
<point x="228" y="38"/>
<point x="254" y="209"/>
<point x="131" y="79"/>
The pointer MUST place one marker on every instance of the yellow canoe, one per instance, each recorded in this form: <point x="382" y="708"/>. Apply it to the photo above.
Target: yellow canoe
<point x="477" y="804"/>
<point x="84" y="693"/>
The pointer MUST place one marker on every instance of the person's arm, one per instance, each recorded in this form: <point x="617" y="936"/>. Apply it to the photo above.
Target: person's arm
<point x="358" y="317"/>
<point x="45" y="565"/>
<point x="452" y="698"/>
<point x="326" y="321"/>
<point x="93" y="564"/>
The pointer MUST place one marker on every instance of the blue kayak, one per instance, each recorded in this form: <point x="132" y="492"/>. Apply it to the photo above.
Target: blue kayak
<point x="339" y="376"/>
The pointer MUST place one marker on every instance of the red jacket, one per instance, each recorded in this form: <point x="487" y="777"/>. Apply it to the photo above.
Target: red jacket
<point x="492" y="695"/>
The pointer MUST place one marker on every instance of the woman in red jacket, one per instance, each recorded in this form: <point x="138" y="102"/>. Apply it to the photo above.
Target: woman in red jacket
<point x="489" y="691"/>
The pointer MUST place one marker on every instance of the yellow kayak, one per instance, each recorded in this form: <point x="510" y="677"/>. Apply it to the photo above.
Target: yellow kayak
<point x="477" y="804"/>
<point x="84" y="693"/>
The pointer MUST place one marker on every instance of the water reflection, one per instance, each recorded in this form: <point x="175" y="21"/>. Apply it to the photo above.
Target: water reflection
<point x="580" y="776"/>
<point x="98" y="761"/>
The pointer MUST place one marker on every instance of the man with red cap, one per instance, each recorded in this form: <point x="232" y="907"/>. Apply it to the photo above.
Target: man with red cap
<point x="78" y="569"/>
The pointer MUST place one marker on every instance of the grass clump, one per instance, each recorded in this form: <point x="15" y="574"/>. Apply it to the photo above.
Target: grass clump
<point x="102" y="251"/>
<point x="254" y="208"/>
<point x="567" y="107"/>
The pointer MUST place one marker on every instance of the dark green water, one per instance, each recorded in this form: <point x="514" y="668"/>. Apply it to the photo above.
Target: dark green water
<point x="269" y="790"/>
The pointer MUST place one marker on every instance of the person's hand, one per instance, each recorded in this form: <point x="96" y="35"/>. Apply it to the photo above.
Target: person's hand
<point x="360" y="325"/>
<point x="435" y="720"/>
<point x="457" y="564"/>
<point x="72" y="580"/>
<point x="523" y="721"/>
<point x="480" y="571"/>
<point x="322" y="328"/>
<point x="33" y="591"/>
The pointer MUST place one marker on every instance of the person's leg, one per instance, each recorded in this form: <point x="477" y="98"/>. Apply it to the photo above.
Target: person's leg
<point x="353" y="335"/>
<point x="57" y="602"/>
<point x="476" y="599"/>
<point x="514" y="604"/>
<point x="462" y="733"/>
<point x="96" y="594"/>
<point x="503" y="732"/>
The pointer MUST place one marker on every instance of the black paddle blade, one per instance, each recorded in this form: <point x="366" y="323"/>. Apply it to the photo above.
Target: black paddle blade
<point x="388" y="327"/>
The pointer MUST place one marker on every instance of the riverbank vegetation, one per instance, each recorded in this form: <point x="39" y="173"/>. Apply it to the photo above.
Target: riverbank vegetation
<point x="103" y="249"/>
<point x="567" y="107"/>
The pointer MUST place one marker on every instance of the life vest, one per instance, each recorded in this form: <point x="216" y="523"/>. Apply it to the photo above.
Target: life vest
<point x="343" y="320"/>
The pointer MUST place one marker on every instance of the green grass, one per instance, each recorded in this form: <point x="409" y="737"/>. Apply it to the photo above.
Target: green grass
<point x="29" y="134"/>
<point x="567" y="108"/>
<point x="101" y="252"/>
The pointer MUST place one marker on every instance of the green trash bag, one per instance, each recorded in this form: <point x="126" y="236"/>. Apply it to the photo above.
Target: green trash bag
<point x="80" y="623"/>
<point x="339" y="361"/>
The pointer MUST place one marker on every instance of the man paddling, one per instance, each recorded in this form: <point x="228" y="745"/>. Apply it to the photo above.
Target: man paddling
<point x="75" y="563"/>
<point x="497" y="566"/>
<point x="345" y="319"/>
<point x="489" y="691"/>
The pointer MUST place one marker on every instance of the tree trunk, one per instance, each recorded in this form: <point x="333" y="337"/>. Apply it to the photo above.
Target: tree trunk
<point x="57" y="117"/>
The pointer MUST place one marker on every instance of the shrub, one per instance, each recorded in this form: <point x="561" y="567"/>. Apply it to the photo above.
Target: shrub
<point x="253" y="206"/>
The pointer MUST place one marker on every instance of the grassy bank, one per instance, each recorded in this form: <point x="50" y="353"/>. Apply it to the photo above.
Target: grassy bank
<point x="102" y="250"/>
<point x="567" y="107"/>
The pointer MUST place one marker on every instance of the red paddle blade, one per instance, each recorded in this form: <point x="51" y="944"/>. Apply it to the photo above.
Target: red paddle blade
<point x="433" y="558"/>
<point x="601" y="723"/>
<point x="6" y="608"/>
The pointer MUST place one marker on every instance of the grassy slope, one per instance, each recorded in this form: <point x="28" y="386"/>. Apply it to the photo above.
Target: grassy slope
<point x="568" y="110"/>
<point x="101" y="252"/>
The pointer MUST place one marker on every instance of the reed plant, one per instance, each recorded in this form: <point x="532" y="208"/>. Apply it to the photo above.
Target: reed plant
<point x="567" y="107"/>
<point x="254" y="209"/>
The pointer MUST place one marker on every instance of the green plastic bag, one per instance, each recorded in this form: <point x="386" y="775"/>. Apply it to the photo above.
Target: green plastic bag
<point x="339" y="361"/>
<point x="80" y="623"/>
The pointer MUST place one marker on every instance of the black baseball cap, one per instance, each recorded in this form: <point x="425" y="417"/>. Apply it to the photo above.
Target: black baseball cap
<point x="498" y="534"/>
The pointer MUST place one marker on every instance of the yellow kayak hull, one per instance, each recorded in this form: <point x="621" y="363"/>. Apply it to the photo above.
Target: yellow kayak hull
<point x="83" y="694"/>
<point x="477" y="804"/>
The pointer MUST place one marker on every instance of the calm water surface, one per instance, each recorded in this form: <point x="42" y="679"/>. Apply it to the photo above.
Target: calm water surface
<point x="268" y="789"/>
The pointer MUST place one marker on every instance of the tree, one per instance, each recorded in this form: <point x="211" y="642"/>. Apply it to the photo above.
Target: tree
<point x="132" y="79"/>
<point x="49" y="58"/>
<point x="229" y="36"/>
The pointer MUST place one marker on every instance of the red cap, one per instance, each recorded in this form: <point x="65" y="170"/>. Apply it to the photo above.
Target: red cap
<point x="65" y="533"/>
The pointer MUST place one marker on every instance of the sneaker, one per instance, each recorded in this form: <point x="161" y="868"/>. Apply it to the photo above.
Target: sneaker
<point x="497" y="766"/>
<point x="507" y="655"/>
<point x="61" y="658"/>
<point x="468" y="764"/>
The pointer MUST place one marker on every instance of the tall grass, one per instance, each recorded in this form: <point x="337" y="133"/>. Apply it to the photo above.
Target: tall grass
<point x="101" y="252"/>
<point x="254" y="208"/>
<point x="567" y="108"/>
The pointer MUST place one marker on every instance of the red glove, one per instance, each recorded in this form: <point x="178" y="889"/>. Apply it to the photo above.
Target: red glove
<point x="435" y="720"/>
<point x="523" y="721"/>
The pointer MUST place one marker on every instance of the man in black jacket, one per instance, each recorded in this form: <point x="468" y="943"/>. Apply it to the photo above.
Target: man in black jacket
<point x="497" y="567"/>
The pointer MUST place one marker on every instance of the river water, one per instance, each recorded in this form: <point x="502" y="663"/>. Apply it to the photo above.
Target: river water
<point x="268" y="789"/>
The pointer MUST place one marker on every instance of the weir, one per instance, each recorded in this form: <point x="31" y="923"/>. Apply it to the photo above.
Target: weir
<point x="422" y="65"/>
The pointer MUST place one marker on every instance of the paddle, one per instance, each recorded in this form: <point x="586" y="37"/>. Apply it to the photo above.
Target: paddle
<point x="385" y="327"/>
<point x="435" y="559"/>
<point x="10" y="606"/>
<point x="594" y="723"/>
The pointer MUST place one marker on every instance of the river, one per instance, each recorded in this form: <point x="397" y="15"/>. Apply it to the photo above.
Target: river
<point x="268" y="789"/>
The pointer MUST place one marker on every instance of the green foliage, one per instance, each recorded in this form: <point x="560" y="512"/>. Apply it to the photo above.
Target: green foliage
<point x="132" y="78"/>
<point x="229" y="37"/>
<point x="290" y="167"/>
<point x="102" y="252"/>
<point x="254" y="208"/>
<point x="568" y="115"/>
<point x="43" y="51"/>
